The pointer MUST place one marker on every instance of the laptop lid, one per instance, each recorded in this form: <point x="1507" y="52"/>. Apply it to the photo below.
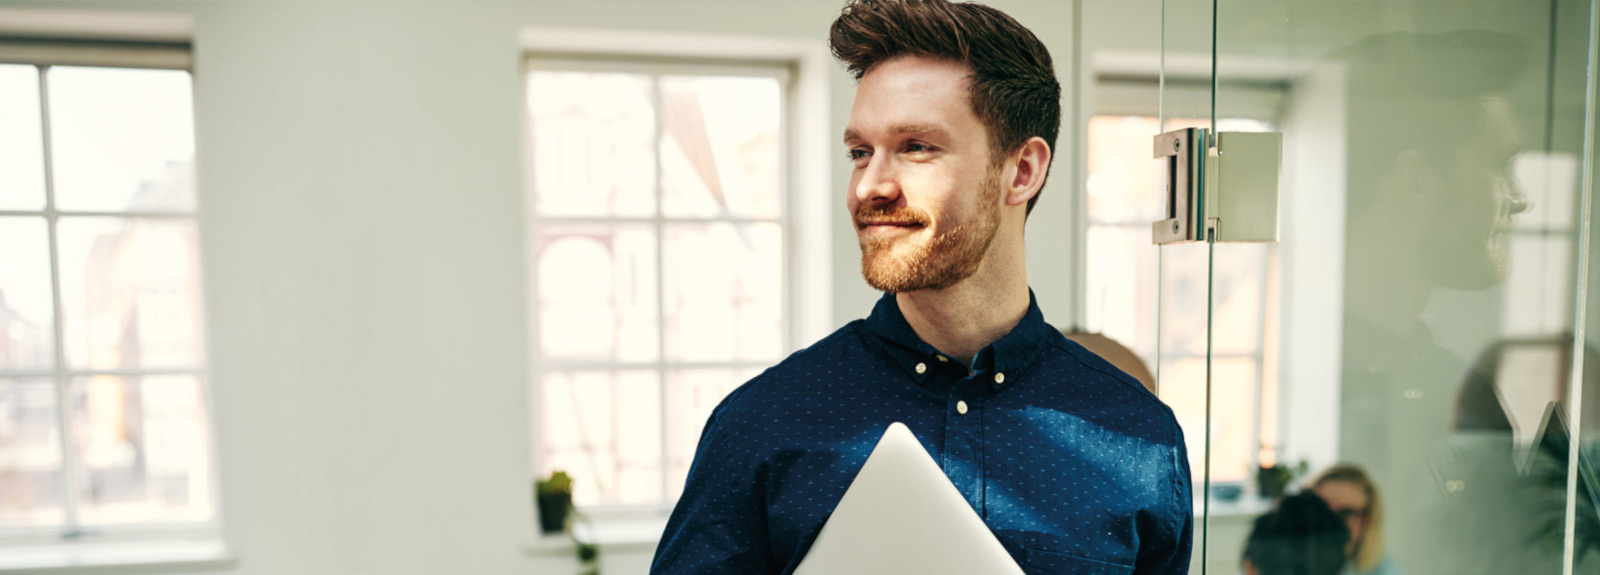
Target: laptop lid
<point x="902" y="515"/>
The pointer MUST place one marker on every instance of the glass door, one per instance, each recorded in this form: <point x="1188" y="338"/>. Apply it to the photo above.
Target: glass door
<point x="1398" y="378"/>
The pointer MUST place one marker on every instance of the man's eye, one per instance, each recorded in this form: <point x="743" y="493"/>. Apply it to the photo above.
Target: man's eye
<point x="856" y="154"/>
<point x="917" y="147"/>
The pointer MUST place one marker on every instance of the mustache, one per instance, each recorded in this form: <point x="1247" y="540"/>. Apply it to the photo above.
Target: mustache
<point x="891" y="215"/>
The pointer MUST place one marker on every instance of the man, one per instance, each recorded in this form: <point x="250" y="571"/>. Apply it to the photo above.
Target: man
<point x="1072" y="464"/>
<point x="1431" y="197"/>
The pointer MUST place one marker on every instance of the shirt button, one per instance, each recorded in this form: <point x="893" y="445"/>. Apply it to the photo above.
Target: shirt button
<point x="942" y="359"/>
<point x="922" y="368"/>
<point x="961" y="407"/>
<point x="999" y="378"/>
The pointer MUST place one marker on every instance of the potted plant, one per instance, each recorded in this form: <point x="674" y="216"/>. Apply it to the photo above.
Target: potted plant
<point x="1272" y="480"/>
<point x="554" y="497"/>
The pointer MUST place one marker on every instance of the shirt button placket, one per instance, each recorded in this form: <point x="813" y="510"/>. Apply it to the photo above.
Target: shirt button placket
<point x="963" y="433"/>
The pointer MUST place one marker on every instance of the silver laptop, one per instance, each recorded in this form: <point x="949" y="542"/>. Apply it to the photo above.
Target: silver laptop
<point x="902" y="515"/>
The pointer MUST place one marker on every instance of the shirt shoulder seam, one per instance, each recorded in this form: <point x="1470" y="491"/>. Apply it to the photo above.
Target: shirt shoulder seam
<point x="834" y="339"/>
<point x="1124" y="379"/>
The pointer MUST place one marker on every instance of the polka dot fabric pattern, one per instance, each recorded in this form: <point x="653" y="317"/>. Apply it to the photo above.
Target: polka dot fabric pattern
<point x="1072" y="463"/>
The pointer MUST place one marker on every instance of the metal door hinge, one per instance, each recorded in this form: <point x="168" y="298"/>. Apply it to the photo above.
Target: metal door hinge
<point x="1226" y="191"/>
<point x="1184" y="151"/>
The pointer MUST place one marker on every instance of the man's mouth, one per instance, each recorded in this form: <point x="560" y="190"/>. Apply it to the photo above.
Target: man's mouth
<point x="883" y="226"/>
<point x="888" y="220"/>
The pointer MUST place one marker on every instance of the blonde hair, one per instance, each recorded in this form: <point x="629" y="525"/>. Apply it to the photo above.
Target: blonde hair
<point x="1369" y="549"/>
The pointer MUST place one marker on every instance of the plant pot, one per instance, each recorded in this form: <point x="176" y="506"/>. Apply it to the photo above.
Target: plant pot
<point x="553" y="510"/>
<point x="1271" y="481"/>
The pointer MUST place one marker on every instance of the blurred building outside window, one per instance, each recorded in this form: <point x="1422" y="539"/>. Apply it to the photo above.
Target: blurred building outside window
<point x="104" y="420"/>
<point x="659" y="244"/>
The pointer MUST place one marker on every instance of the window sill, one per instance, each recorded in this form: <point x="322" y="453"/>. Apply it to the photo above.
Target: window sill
<point x="619" y="535"/>
<point x="104" y="556"/>
<point x="1245" y="506"/>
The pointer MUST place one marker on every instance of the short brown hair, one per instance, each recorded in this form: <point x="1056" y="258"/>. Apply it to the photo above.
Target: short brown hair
<point x="1014" y="90"/>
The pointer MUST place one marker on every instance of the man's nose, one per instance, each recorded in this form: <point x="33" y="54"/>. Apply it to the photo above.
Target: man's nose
<point x="1517" y="199"/>
<point x="878" y="183"/>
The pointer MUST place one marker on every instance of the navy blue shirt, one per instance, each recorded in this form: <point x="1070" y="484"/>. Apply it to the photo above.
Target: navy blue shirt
<point x="1071" y="462"/>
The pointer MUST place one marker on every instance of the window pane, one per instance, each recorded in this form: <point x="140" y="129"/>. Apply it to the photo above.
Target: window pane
<point x="604" y="429"/>
<point x="1538" y="285"/>
<point x="30" y="454"/>
<point x="597" y="292"/>
<point x="593" y="141"/>
<point x="1121" y="297"/>
<point x="691" y="395"/>
<point x="142" y="447"/>
<point x="121" y="139"/>
<point x="1233" y="418"/>
<point x="130" y="291"/>
<point x="720" y="151"/>
<point x="1183" y="387"/>
<point x="1184" y="292"/>
<point x="27" y="337"/>
<point x="21" y="139"/>
<point x="724" y="291"/>
<point x="1123" y="184"/>
<point x="1238" y="287"/>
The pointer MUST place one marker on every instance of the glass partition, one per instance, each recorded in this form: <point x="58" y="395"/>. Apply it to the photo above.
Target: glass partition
<point x="1415" y="347"/>
<point x="1183" y="313"/>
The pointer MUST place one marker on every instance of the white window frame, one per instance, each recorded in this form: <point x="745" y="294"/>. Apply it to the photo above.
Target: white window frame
<point x="45" y="38"/>
<point x="804" y="187"/>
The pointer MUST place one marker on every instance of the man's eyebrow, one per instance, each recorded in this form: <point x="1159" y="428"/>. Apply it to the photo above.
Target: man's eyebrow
<point x="901" y="130"/>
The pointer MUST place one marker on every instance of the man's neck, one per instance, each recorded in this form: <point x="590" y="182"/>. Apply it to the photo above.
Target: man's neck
<point x="1384" y="283"/>
<point x="963" y="318"/>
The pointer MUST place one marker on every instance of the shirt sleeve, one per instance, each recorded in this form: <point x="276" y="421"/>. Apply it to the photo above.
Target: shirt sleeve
<point x="1169" y="550"/>
<point x="719" y="525"/>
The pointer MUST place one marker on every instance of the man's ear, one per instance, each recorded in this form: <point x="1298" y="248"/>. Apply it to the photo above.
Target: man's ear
<point x="1250" y="568"/>
<point x="1031" y="162"/>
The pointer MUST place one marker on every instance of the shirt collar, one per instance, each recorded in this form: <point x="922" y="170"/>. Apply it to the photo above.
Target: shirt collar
<point x="1007" y="357"/>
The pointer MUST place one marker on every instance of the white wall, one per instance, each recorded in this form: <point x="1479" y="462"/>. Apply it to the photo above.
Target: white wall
<point x="361" y="192"/>
<point x="1312" y="274"/>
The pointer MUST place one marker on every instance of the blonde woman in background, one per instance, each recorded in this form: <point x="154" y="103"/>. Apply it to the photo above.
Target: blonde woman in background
<point x="1354" y="498"/>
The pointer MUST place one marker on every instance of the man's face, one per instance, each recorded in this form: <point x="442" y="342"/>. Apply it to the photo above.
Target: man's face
<point x="1464" y="246"/>
<point x="923" y="195"/>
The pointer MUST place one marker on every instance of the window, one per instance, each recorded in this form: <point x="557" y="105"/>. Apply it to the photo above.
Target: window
<point x="1124" y="274"/>
<point x="104" y="424"/>
<point x="1123" y="282"/>
<point x="659" y="245"/>
<point x="1533" y="358"/>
